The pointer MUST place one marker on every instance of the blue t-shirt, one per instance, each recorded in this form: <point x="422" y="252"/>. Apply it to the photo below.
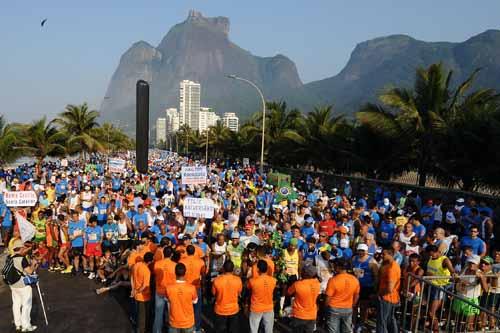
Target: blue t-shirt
<point x="7" y="220"/>
<point x="110" y="229"/>
<point x="102" y="211"/>
<point x="419" y="230"/>
<point x="140" y="217"/>
<point x="389" y="229"/>
<point x="76" y="229"/>
<point x="307" y="231"/>
<point x="116" y="183"/>
<point x="93" y="234"/>
<point x="477" y="244"/>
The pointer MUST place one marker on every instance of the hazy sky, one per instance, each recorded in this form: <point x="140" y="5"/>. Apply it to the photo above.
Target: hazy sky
<point x="72" y="58"/>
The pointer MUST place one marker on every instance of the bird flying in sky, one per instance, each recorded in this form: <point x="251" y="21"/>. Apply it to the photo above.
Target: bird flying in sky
<point x="43" y="22"/>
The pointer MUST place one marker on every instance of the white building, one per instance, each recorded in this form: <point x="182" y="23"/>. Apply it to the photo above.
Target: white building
<point x="189" y="103"/>
<point x="172" y="117"/>
<point x="231" y="121"/>
<point x="204" y="119"/>
<point x="161" y="130"/>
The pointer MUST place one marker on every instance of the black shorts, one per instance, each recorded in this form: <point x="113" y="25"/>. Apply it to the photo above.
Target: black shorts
<point x="61" y="198"/>
<point x="490" y="301"/>
<point x="366" y="293"/>
<point x="77" y="251"/>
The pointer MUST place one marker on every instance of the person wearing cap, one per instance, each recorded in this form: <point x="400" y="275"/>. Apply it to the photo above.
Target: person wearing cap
<point x="227" y="289"/>
<point x="490" y="299"/>
<point x="342" y="293"/>
<point x="469" y="285"/>
<point x="235" y="251"/>
<point x="366" y="270"/>
<point x="22" y="295"/>
<point x="438" y="265"/>
<point x="304" y="306"/>
<point x="292" y="257"/>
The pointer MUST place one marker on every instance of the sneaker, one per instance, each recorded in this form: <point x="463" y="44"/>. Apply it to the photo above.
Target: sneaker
<point x="85" y="272"/>
<point x="18" y="329"/>
<point x="68" y="270"/>
<point x="58" y="268"/>
<point x="29" y="329"/>
<point x="91" y="275"/>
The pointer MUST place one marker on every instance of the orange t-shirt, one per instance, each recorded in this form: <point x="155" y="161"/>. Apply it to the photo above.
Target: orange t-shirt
<point x="141" y="278"/>
<point x="270" y="268"/>
<point x="341" y="290"/>
<point x="195" y="267"/>
<point x="262" y="288"/>
<point x="133" y="258"/>
<point x="226" y="289"/>
<point x="158" y="254"/>
<point x="304" y="304"/>
<point x="164" y="275"/>
<point x="390" y="273"/>
<point x="181" y="296"/>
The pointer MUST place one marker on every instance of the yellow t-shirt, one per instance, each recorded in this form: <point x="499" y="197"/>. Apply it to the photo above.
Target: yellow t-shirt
<point x="51" y="194"/>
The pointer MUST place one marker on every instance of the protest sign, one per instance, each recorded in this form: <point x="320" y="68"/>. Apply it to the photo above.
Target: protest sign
<point x="116" y="165"/>
<point x="64" y="162"/>
<point x="20" y="198"/>
<point x="199" y="207"/>
<point x="192" y="175"/>
<point x="246" y="161"/>
<point x="26" y="229"/>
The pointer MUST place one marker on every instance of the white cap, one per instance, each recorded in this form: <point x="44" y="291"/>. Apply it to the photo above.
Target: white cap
<point x="475" y="259"/>
<point x="362" y="247"/>
<point x="347" y="182"/>
<point x="386" y="201"/>
<point x="460" y="200"/>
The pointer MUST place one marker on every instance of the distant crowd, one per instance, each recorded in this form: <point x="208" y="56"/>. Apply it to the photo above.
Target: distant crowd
<point x="332" y="258"/>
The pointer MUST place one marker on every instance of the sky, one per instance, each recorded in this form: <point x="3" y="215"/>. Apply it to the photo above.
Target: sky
<point x="72" y="58"/>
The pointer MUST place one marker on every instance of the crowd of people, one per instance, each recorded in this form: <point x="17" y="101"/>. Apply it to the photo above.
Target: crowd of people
<point x="331" y="258"/>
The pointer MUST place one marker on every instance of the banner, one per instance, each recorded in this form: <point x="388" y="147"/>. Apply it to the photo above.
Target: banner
<point x="194" y="175"/>
<point x="20" y="198"/>
<point x="198" y="207"/>
<point x="246" y="161"/>
<point x="116" y="165"/>
<point x="26" y="229"/>
<point x="64" y="162"/>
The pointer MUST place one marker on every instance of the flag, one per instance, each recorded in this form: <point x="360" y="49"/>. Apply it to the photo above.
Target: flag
<point x="26" y="229"/>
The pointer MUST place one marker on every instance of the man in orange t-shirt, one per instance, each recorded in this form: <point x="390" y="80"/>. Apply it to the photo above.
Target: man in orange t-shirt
<point x="227" y="288"/>
<point x="141" y="290"/>
<point x="342" y="293"/>
<point x="261" y="300"/>
<point x="195" y="274"/>
<point x="181" y="297"/>
<point x="304" y="307"/>
<point x="164" y="271"/>
<point x="388" y="292"/>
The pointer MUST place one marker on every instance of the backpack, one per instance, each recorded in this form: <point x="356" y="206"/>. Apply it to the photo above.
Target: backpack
<point x="10" y="273"/>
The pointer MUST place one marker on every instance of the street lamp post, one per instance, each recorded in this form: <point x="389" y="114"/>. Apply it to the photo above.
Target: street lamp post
<point x="234" y="77"/>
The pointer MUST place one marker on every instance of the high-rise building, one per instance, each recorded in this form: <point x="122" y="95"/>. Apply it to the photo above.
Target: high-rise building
<point x="161" y="130"/>
<point x="231" y="121"/>
<point x="189" y="103"/>
<point x="172" y="117"/>
<point x="205" y="118"/>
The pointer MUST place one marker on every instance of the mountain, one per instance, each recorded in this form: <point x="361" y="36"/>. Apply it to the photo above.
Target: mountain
<point x="198" y="49"/>
<point x="391" y="61"/>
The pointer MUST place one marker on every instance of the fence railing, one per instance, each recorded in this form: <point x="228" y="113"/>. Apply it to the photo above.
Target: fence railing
<point x="447" y="304"/>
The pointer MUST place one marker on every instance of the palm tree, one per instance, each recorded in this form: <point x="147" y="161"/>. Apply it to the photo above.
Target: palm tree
<point x="327" y="139"/>
<point x="422" y="112"/>
<point x="218" y="138"/>
<point x="282" y="132"/>
<point x="9" y="143"/>
<point x="113" y="138"/>
<point x="183" y="135"/>
<point x="80" y="123"/>
<point x="43" y="139"/>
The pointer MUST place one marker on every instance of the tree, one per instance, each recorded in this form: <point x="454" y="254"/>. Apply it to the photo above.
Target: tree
<point x="80" y="123"/>
<point x="9" y="143"/>
<point x="112" y="138"/>
<point x="422" y="113"/>
<point x="326" y="139"/>
<point x="43" y="139"/>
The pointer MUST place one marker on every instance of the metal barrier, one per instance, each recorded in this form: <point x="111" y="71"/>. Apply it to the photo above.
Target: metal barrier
<point x="446" y="308"/>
